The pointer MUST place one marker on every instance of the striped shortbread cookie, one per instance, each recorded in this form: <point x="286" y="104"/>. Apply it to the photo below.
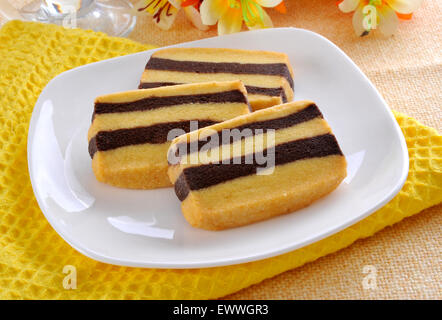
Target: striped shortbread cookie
<point x="275" y="161"/>
<point x="130" y="131"/>
<point x="268" y="76"/>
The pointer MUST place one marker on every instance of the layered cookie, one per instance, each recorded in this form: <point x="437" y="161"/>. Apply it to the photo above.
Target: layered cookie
<point x="268" y="76"/>
<point x="131" y="131"/>
<point x="256" y="166"/>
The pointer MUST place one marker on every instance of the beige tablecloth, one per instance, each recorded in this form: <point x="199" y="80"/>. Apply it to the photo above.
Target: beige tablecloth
<point x="407" y="70"/>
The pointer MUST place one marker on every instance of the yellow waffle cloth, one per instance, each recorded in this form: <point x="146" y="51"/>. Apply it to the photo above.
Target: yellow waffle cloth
<point x="32" y="255"/>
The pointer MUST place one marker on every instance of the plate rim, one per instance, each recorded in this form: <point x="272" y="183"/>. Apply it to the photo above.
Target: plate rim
<point x="217" y="262"/>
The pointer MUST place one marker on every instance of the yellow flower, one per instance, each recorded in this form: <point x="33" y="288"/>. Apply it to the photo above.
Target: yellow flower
<point x="381" y="14"/>
<point x="230" y="14"/>
<point x="164" y="12"/>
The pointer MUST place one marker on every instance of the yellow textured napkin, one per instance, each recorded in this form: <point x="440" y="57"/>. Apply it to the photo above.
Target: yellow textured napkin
<point x="32" y="255"/>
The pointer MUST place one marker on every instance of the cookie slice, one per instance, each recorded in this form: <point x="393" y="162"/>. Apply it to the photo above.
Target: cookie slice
<point x="267" y="75"/>
<point x="256" y="166"/>
<point x="131" y="131"/>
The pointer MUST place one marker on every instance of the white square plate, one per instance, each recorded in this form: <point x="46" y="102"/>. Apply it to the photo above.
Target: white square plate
<point x="146" y="228"/>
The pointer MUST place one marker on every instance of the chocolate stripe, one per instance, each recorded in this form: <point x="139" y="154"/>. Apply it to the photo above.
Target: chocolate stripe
<point x="273" y="92"/>
<point x="181" y="188"/>
<point x="150" y="85"/>
<point x="284" y="97"/>
<point x="304" y="115"/>
<point x="204" y="176"/>
<point x="154" y="134"/>
<point x="272" y="69"/>
<point x="92" y="147"/>
<point x="168" y="101"/>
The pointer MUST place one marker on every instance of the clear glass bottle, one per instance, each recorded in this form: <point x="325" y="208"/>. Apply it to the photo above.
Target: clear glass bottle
<point x="114" y="17"/>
